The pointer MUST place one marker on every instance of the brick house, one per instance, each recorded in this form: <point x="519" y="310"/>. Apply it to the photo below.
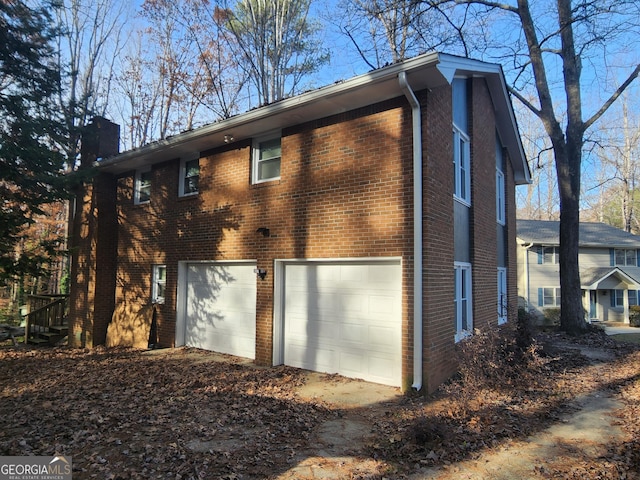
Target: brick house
<point x="290" y="234"/>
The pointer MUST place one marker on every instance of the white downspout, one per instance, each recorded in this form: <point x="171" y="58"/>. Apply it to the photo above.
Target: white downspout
<point x="417" y="230"/>
<point x="526" y="274"/>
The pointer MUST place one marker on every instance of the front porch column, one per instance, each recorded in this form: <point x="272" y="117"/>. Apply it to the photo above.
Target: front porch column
<point x="625" y="302"/>
<point x="586" y="304"/>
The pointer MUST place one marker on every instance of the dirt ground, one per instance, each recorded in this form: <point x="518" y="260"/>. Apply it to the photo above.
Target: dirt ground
<point x="188" y="414"/>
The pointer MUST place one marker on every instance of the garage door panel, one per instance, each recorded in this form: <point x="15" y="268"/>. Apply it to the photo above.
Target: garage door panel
<point x="354" y="333"/>
<point x="317" y="359"/>
<point x="382" y="305"/>
<point x="314" y="327"/>
<point x="381" y="368"/>
<point x="220" y="313"/>
<point x="382" y="275"/>
<point x="351" y="363"/>
<point x="344" y="317"/>
<point x="383" y="338"/>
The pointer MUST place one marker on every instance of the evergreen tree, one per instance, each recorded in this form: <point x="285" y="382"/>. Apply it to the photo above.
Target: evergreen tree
<point x="30" y="167"/>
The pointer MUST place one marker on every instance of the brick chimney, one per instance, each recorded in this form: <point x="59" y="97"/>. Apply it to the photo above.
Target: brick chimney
<point x="94" y="240"/>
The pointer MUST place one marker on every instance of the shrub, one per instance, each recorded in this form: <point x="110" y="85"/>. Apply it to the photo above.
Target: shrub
<point x="497" y="357"/>
<point x="552" y="316"/>
<point x="634" y="316"/>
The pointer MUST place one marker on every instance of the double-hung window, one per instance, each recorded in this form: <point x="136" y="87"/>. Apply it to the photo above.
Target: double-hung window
<point x="461" y="166"/>
<point x="461" y="142"/>
<point x="500" y="198"/>
<point x="142" y="187"/>
<point x="549" y="297"/>
<point x="159" y="283"/>
<point x="502" y="295"/>
<point x="626" y="257"/>
<point x="617" y="297"/>
<point x="267" y="154"/>
<point x="189" y="177"/>
<point x="462" y="300"/>
<point x="501" y="208"/>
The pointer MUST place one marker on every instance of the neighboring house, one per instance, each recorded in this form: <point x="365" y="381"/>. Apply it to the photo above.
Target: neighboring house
<point x="292" y="234"/>
<point x="608" y="261"/>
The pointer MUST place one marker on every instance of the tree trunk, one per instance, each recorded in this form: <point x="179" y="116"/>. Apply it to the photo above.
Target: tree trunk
<point x="568" y="161"/>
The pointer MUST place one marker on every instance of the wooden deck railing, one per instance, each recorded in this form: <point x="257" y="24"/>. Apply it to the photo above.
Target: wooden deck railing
<point x="45" y="311"/>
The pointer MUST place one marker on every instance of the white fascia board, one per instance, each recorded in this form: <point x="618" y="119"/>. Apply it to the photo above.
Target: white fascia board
<point x="629" y="281"/>
<point x="451" y="65"/>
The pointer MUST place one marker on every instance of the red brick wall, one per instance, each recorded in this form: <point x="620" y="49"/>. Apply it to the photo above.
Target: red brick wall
<point x="483" y="210"/>
<point x="512" y="259"/>
<point x="438" y="338"/>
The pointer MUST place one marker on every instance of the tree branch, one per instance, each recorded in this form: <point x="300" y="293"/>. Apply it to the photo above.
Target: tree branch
<point x="524" y="101"/>
<point x="613" y="97"/>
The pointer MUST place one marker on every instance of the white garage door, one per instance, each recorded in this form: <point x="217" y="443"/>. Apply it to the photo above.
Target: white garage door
<point x="344" y="318"/>
<point x="221" y="308"/>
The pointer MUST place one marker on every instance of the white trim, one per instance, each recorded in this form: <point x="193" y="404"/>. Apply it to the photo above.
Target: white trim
<point x="183" y="173"/>
<point x="501" y="198"/>
<point x="155" y="270"/>
<point x="137" y="183"/>
<point x="502" y="290"/>
<point x="418" y="307"/>
<point x="255" y="156"/>
<point x="629" y="282"/>
<point x="462" y="333"/>
<point x="459" y="135"/>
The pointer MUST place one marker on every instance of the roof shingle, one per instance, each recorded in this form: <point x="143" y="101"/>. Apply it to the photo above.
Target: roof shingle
<point x="593" y="234"/>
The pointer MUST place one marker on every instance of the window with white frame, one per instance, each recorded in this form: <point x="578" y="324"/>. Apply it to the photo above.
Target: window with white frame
<point x="189" y="176"/>
<point x="461" y="141"/>
<point x="159" y="283"/>
<point x="462" y="300"/>
<point x="626" y="257"/>
<point x="461" y="166"/>
<point x="267" y="154"/>
<point x="549" y="297"/>
<point x="501" y="209"/>
<point x="502" y="295"/>
<point x="500" y="198"/>
<point x="142" y="188"/>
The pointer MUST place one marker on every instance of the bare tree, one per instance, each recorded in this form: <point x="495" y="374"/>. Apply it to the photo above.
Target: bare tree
<point x="277" y="42"/>
<point x="174" y="60"/>
<point x="138" y="95"/>
<point x="539" y="201"/>
<point x="91" y="36"/>
<point x="618" y="152"/>
<point x="220" y="79"/>
<point x="388" y="31"/>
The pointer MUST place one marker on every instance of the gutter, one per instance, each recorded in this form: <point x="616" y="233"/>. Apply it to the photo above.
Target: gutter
<point x="417" y="230"/>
